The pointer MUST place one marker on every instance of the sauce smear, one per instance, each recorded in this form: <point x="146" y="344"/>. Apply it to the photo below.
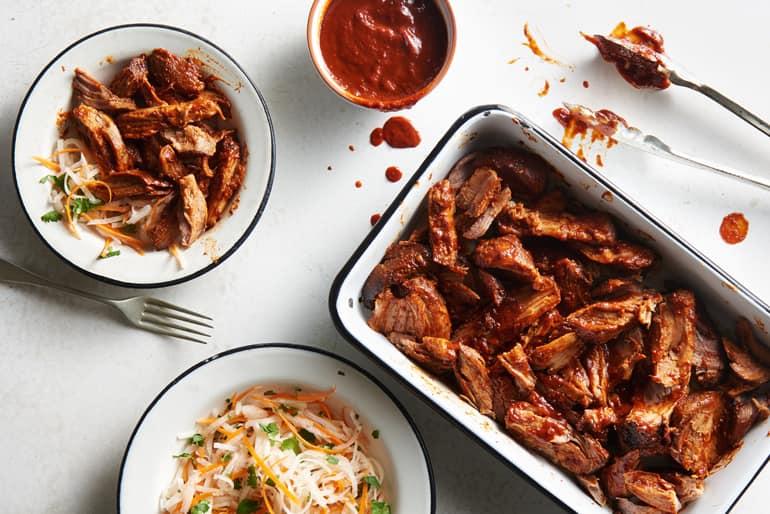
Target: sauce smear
<point x="734" y="228"/>
<point x="375" y="218"/>
<point x="535" y="47"/>
<point x="398" y="132"/>
<point x="393" y="174"/>
<point x="384" y="53"/>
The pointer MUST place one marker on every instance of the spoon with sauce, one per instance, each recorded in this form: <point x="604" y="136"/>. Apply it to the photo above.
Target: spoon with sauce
<point x="639" y="56"/>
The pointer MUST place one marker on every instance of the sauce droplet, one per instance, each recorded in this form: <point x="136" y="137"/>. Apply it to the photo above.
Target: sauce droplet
<point x="535" y="46"/>
<point x="734" y="228"/>
<point x="359" y="184"/>
<point x="393" y="174"/>
<point x="586" y="84"/>
<point x="374" y="218"/>
<point x="376" y="137"/>
<point x="351" y="148"/>
<point x="398" y="132"/>
<point x="544" y="91"/>
<point x="328" y="168"/>
<point x="599" y="160"/>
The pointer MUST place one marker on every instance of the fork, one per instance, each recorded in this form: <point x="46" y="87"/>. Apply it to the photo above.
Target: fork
<point x="144" y="312"/>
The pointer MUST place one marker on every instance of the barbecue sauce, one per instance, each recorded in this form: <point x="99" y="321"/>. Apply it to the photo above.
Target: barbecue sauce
<point x="398" y="132"/>
<point x="393" y="174"/>
<point x="734" y="228"/>
<point x="384" y="53"/>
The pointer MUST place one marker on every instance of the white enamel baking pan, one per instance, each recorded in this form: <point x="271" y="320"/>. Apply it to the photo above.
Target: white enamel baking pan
<point x="725" y="299"/>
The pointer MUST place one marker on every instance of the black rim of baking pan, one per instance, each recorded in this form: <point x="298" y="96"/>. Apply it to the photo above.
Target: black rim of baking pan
<point x="241" y="239"/>
<point x="393" y="207"/>
<point x="291" y="346"/>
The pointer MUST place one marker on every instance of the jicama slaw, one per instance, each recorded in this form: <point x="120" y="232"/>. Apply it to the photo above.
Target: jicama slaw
<point x="72" y="180"/>
<point x="273" y="450"/>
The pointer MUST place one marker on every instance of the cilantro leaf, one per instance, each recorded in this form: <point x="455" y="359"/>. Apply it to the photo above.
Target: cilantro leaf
<point x="56" y="180"/>
<point x="288" y="408"/>
<point x="51" y="216"/>
<point x="227" y="457"/>
<point x="372" y="481"/>
<point x="201" y="507"/>
<point x="291" y="444"/>
<point x="183" y="455"/>
<point x="376" y="434"/>
<point x="270" y="482"/>
<point x="81" y="205"/>
<point x="271" y="429"/>
<point x="331" y="459"/>
<point x="307" y="435"/>
<point x="380" y="508"/>
<point x="247" y="506"/>
<point x="238" y="484"/>
<point x="252" y="479"/>
<point x="197" y="440"/>
<point x="111" y="252"/>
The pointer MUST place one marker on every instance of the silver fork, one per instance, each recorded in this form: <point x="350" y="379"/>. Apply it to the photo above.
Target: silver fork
<point x="143" y="312"/>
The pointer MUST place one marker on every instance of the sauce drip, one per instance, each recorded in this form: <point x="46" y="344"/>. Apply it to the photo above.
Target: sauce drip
<point x="398" y="132"/>
<point x="533" y="45"/>
<point x="586" y="84"/>
<point x="375" y="218"/>
<point x="579" y="121"/>
<point x="393" y="174"/>
<point x="376" y="137"/>
<point x="381" y="52"/>
<point x="358" y="184"/>
<point x="544" y="91"/>
<point x="734" y="228"/>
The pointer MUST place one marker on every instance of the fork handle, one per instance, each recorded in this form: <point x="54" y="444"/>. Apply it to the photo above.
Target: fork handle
<point x="722" y="100"/>
<point x="13" y="274"/>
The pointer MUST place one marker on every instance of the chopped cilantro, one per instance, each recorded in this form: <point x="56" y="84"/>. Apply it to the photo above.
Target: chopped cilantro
<point x="238" y="484"/>
<point x="226" y="457"/>
<point x="56" y="180"/>
<point x="269" y="392"/>
<point x="252" y="479"/>
<point x="247" y="506"/>
<point x="111" y="252"/>
<point x="307" y="435"/>
<point x="197" y="440"/>
<point x="129" y="229"/>
<point x="51" y="216"/>
<point x="331" y="459"/>
<point x="291" y="444"/>
<point x="81" y="205"/>
<point x="380" y="508"/>
<point x="288" y="408"/>
<point x="376" y="434"/>
<point x="329" y="446"/>
<point x="271" y="429"/>
<point x="270" y="482"/>
<point x="183" y="455"/>
<point x="201" y="507"/>
<point x="372" y="481"/>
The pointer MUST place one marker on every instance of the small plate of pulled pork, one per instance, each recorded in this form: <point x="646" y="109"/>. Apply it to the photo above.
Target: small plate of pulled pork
<point x="143" y="155"/>
<point x="530" y="300"/>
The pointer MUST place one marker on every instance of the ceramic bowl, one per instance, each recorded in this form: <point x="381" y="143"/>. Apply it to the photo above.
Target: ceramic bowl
<point x="147" y="465"/>
<point x="103" y="54"/>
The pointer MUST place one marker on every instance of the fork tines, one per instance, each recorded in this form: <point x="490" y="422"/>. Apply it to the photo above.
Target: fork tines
<point x="164" y="318"/>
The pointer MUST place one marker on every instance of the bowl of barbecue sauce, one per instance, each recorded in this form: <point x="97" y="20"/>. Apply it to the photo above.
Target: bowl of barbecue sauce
<point x="381" y="54"/>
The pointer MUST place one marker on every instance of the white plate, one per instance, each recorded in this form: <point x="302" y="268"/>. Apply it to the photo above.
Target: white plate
<point x="724" y="298"/>
<point x="103" y="54"/>
<point x="148" y="466"/>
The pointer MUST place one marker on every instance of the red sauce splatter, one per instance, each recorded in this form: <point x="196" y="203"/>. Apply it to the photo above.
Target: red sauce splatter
<point x="599" y="160"/>
<point x="526" y="68"/>
<point x="375" y="218"/>
<point x="544" y="91"/>
<point x="351" y="148"/>
<point x="563" y="80"/>
<point x="586" y="84"/>
<point x="734" y="228"/>
<point x="535" y="47"/>
<point x="398" y="132"/>
<point x="359" y="184"/>
<point x="393" y="174"/>
<point x="328" y="168"/>
<point x="376" y="137"/>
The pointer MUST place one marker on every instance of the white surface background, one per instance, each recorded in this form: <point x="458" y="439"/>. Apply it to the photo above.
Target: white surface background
<point x="74" y="379"/>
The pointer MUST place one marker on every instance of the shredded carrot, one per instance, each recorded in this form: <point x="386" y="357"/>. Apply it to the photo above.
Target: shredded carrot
<point x="106" y="247"/>
<point x="304" y="441"/>
<point x="206" y="421"/>
<point x="239" y="474"/>
<point x="364" y="495"/>
<point x="234" y="434"/>
<point x="199" y="497"/>
<point x="325" y="409"/>
<point x="111" y="208"/>
<point x="269" y="472"/>
<point x="174" y="251"/>
<point x="210" y="467"/>
<point x="267" y="502"/>
<point x="48" y="163"/>
<point x="307" y="398"/>
<point x="326" y="432"/>
<point x="241" y="396"/>
<point x="66" y="150"/>
<point x="123" y="238"/>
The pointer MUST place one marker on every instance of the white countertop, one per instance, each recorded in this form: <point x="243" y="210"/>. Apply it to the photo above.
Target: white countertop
<point x="74" y="379"/>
